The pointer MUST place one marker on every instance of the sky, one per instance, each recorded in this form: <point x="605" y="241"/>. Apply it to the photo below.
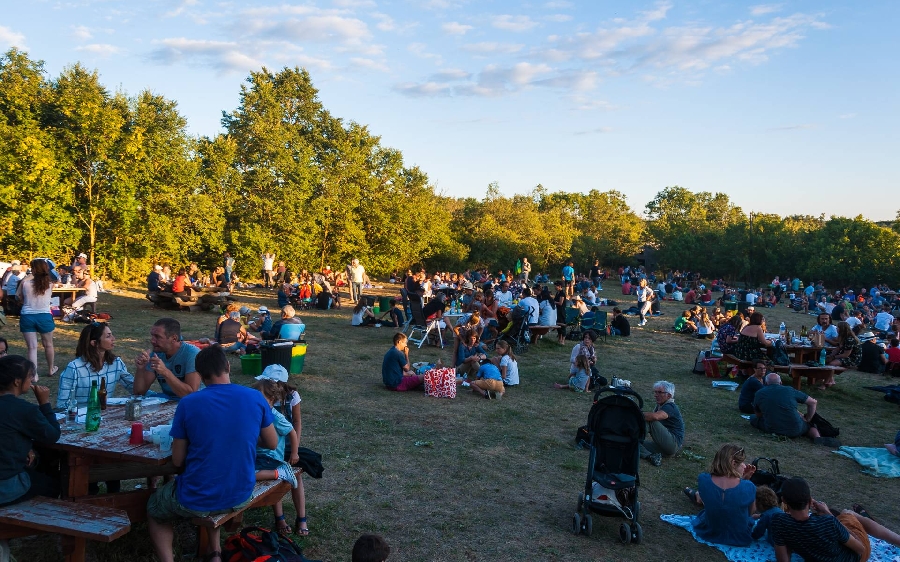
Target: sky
<point x="789" y="108"/>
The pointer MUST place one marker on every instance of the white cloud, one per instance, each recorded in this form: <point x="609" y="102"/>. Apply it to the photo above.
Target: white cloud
<point x="385" y="22"/>
<point x="101" y="49"/>
<point x="450" y="75"/>
<point x="585" y="103"/>
<point x="180" y="9"/>
<point x="456" y="28"/>
<point x="763" y="9"/>
<point x="428" y="89"/>
<point x="10" y="38"/>
<point x="225" y="56"/>
<point x="82" y="33"/>
<point x="517" y="24"/>
<point x="421" y="50"/>
<point x="369" y="64"/>
<point x="354" y="3"/>
<point x="558" y="18"/>
<point x="558" y="4"/>
<point x="486" y="48"/>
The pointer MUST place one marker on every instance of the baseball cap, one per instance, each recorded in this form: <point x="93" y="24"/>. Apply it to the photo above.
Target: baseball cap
<point x="263" y="309"/>
<point x="82" y="255"/>
<point x="274" y="372"/>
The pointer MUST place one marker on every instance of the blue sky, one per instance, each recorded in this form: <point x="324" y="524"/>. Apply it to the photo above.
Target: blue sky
<point x="789" y="108"/>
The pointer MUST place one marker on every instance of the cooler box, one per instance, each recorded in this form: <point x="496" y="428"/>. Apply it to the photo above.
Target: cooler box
<point x="731" y="305"/>
<point x="251" y="365"/>
<point x="298" y="357"/>
<point x="384" y="303"/>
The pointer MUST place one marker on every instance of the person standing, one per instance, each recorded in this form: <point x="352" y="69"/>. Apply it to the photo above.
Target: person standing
<point x="595" y="274"/>
<point x="645" y="301"/>
<point x="219" y="466"/>
<point x="268" y="259"/>
<point x="568" y="275"/>
<point x="35" y="292"/>
<point x="356" y="275"/>
<point x="229" y="267"/>
<point x="526" y="270"/>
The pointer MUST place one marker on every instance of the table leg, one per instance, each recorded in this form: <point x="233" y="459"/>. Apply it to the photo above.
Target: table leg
<point x="79" y="468"/>
<point x="798" y="380"/>
<point x="74" y="548"/>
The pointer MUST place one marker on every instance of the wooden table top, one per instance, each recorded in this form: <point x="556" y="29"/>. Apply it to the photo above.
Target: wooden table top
<point x="111" y="440"/>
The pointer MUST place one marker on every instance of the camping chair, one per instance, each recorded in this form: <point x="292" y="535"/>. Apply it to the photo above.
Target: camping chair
<point x="600" y="321"/>
<point x="573" y="322"/>
<point x="420" y="328"/>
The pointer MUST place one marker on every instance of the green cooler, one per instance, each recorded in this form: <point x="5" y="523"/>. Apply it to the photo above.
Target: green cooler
<point x="251" y="365"/>
<point x="298" y="357"/>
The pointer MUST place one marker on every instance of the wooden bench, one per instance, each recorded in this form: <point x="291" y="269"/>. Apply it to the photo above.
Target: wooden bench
<point x="266" y="493"/>
<point x="797" y="372"/>
<point x="730" y="359"/>
<point x="77" y="523"/>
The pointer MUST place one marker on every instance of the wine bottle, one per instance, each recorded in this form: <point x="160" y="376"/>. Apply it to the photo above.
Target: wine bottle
<point x="101" y="394"/>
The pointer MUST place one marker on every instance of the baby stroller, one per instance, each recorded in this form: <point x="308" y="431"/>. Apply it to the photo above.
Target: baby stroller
<point x="519" y="335"/>
<point x="615" y="427"/>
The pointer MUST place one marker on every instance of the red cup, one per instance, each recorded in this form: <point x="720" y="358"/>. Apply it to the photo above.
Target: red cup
<point x="137" y="433"/>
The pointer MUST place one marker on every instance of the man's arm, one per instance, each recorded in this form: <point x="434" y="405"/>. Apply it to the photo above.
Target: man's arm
<point x="181" y="389"/>
<point x="268" y="437"/>
<point x="143" y="375"/>
<point x="810" y="408"/>
<point x="656" y="416"/>
<point x="179" y="452"/>
<point x="782" y="554"/>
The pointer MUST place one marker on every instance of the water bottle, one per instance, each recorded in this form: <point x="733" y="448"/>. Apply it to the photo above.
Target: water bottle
<point x="72" y="407"/>
<point x="92" y="421"/>
<point x="822" y="358"/>
<point x="782" y="330"/>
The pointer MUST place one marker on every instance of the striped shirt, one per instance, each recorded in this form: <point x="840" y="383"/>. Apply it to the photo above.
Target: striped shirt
<point x="821" y="538"/>
<point x="79" y="375"/>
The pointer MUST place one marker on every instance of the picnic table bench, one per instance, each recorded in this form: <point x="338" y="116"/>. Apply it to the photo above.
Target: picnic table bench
<point x="193" y="300"/>
<point x="266" y="493"/>
<point x="77" y="523"/>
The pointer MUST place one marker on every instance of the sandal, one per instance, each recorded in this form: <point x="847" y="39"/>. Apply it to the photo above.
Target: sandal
<point x="301" y="529"/>
<point x="283" y="529"/>
<point x="212" y="556"/>
<point x="860" y="510"/>
<point x="691" y="495"/>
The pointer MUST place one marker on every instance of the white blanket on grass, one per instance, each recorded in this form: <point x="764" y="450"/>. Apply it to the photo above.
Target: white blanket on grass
<point x="762" y="551"/>
<point x="876" y="461"/>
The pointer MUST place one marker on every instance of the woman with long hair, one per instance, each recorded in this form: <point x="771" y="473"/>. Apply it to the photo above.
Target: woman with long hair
<point x="848" y="353"/>
<point x="727" y="497"/>
<point x="752" y="342"/>
<point x="35" y="292"/>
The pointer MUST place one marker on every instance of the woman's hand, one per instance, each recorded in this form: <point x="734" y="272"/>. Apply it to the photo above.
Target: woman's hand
<point x="42" y="394"/>
<point x="749" y="471"/>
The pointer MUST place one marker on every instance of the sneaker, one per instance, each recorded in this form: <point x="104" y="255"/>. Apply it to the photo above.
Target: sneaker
<point x="642" y="323"/>
<point x="288" y="476"/>
<point x="498" y="395"/>
<point x="655" y="459"/>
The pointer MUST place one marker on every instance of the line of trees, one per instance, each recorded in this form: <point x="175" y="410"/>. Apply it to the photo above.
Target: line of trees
<point x="119" y="177"/>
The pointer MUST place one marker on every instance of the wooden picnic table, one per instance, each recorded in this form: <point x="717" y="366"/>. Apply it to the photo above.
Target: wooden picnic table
<point x="818" y="373"/>
<point x="803" y="353"/>
<point x="67" y="290"/>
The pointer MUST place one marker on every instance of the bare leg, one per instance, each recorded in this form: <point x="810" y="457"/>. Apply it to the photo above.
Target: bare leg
<point x="266" y="475"/>
<point x="892" y="449"/>
<point x="49" y="352"/>
<point x="298" y="495"/>
<point x="161" y="535"/>
<point x="31" y="344"/>
<point x="876" y="530"/>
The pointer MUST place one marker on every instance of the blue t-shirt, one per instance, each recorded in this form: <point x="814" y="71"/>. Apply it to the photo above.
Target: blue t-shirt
<point x="489" y="371"/>
<point x="762" y="524"/>
<point x="282" y="427"/>
<point x="725" y="518"/>
<point x="180" y="364"/>
<point x="568" y="273"/>
<point x="674" y="423"/>
<point x="392" y="367"/>
<point x="748" y="392"/>
<point x="221" y="424"/>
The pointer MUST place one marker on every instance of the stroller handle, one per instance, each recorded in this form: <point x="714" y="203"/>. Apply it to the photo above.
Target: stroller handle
<point x="620" y="392"/>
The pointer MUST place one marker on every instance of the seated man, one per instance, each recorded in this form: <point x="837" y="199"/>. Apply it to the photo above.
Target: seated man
<point x="231" y="334"/>
<point x="529" y="303"/>
<point x="775" y="406"/>
<point x="666" y="426"/>
<point x="504" y="296"/>
<point x="82" y="281"/>
<point x="288" y="316"/>
<point x="170" y="362"/>
<point x="154" y="279"/>
<point x="884" y="319"/>
<point x="214" y="433"/>
<point x="395" y="370"/>
<point x="824" y="324"/>
<point x="619" y="325"/>
<point x="822" y="535"/>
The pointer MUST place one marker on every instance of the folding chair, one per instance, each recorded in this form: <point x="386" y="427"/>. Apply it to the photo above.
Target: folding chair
<point x="420" y="327"/>
<point x="600" y="321"/>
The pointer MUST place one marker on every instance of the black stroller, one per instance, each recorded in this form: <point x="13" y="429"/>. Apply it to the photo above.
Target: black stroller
<point x="616" y="427"/>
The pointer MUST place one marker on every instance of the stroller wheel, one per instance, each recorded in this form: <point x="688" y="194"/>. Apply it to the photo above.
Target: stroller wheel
<point x="637" y="533"/>
<point x="580" y="503"/>
<point x="576" y="524"/>
<point x="521" y="347"/>
<point x="588" y="525"/>
<point x="625" y="533"/>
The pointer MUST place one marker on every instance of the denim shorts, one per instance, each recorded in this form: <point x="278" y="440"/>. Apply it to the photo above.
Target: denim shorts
<point x="41" y="323"/>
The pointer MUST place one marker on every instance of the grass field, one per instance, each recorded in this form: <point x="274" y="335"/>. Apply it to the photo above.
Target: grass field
<point x="499" y="480"/>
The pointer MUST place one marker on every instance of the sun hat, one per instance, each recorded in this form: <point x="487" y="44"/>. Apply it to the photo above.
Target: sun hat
<point x="274" y="372"/>
<point x="263" y="309"/>
<point x="82" y="255"/>
<point x="866" y="336"/>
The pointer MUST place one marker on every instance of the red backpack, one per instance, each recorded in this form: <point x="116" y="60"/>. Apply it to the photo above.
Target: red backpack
<point x="255" y="544"/>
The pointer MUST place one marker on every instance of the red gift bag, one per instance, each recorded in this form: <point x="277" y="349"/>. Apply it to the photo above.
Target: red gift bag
<point x="441" y="383"/>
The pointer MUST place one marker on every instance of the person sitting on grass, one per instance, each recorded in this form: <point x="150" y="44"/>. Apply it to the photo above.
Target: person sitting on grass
<point x="848" y="353"/>
<point x="462" y="332"/>
<point x="684" y="325"/>
<point x="776" y="412"/>
<point x="470" y="355"/>
<point x="619" y="325"/>
<point x="509" y="366"/>
<point x="581" y="380"/>
<point x="666" y="426"/>
<point x="288" y="316"/>
<point x="274" y="464"/>
<point x="370" y="548"/>
<point x="752" y="385"/>
<point x="397" y="314"/>
<point x="894" y="448"/>
<point x="489" y="381"/>
<point x="767" y="505"/>
<point x="395" y="370"/>
<point x="727" y="497"/>
<point x="362" y="315"/>
<point x="219" y="466"/>
<point x="232" y="335"/>
<point x="815" y="532"/>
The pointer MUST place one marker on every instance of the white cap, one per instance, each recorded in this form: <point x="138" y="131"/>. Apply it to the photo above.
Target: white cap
<point x="82" y="255"/>
<point x="274" y="372"/>
<point x="263" y="309"/>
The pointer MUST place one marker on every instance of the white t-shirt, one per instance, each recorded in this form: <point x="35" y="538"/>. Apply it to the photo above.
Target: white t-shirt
<point x="34" y="303"/>
<point x="357" y="273"/>
<point x="853" y="321"/>
<point x="547" y="314"/>
<point x="358" y="316"/>
<point x="504" y="299"/>
<point x="268" y="263"/>
<point x="533" y="307"/>
<point x="512" y="371"/>
<point x="883" y="321"/>
<point x="830" y="331"/>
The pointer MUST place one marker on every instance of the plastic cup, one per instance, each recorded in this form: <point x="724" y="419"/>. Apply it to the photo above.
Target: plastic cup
<point x="165" y="443"/>
<point x="137" y="433"/>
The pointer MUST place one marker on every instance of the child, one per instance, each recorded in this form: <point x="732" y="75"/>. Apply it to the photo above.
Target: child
<point x="270" y="464"/>
<point x="398" y="316"/>
<point x="767" y="505"/>
<point x="509" y="366"/>
<point x="370" y="548"/>
<point x="362" y="315"/>
<point x="580" y="380"/>
<point x="489" y="382"/>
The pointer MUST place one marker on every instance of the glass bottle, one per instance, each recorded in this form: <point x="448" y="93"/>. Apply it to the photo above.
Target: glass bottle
<point x="92" y="421"/>
<point x="101" y="394"/>
<point x="72" y="406"/>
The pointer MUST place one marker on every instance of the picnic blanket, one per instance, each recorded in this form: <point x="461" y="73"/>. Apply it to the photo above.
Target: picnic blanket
<point x="762" y="551"/>
<point x="876" y="461"/>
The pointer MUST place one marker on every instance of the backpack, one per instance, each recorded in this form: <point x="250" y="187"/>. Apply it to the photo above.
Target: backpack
<point x="779" y="355"/>
<point x="699" y="369"/>
<point x="255" y="544"/>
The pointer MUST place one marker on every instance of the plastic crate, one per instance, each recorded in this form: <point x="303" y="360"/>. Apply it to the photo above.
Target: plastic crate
<point x="251" y="364"/>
